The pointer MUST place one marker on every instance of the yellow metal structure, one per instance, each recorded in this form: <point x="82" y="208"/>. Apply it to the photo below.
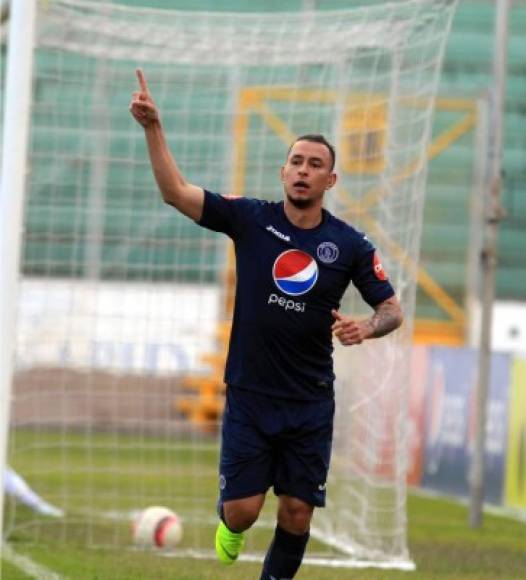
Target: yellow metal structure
<point x="364" y="130"/>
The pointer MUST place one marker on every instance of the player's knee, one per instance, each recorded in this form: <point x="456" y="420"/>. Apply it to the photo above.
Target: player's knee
<point x="294" y="515"/>
<point x="241" y="514"/>
<point x="240" y="520"/>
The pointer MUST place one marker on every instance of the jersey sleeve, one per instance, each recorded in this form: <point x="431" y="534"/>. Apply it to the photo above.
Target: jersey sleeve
<point x="227" y="214"/>
<point x="368" y="274"/>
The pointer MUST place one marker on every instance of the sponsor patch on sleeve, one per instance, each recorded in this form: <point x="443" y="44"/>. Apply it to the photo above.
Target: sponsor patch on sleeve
<point x="379" y="271"/>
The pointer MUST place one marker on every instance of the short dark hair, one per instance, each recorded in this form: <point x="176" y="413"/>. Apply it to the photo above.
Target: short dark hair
<point x="315" y="138"/>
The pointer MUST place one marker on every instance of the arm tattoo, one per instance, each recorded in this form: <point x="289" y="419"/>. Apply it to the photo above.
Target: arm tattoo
<point x="388" y="317"/>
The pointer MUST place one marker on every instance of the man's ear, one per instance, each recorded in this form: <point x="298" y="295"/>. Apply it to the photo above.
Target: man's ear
<point x="282" y="173"/>
<point x="333" y="178"/>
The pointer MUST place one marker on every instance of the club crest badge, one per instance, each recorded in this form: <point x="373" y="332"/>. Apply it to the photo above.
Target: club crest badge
<point x="327" y="252"/>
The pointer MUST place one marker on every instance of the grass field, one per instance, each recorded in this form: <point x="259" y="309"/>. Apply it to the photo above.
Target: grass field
<point x="440" y="542"/>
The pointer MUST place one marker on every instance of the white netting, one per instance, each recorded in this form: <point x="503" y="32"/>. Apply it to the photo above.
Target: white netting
<point x="121" y="298"/>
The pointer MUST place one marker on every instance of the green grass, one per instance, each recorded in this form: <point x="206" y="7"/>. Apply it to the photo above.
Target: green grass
<point x="12" y="572"/>
<point x="440" y="541"/>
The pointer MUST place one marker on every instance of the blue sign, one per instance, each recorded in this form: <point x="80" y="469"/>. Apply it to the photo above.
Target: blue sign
<point x="450" y="410"/>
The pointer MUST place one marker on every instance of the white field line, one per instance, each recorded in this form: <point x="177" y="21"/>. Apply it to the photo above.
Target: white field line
<point x="39" y="572"/>
<point x="28" y="566"/>
<point x="312" y="561"/>
<point x="202" y="554"/>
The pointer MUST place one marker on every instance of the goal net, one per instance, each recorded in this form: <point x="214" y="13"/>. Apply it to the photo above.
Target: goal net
<point x="124" y="305"/>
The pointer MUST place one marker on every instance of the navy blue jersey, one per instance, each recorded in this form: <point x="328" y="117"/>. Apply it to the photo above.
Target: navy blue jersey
<point x="288" y="281"/>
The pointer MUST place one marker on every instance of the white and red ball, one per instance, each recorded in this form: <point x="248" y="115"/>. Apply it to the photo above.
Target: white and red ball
<point x="157" y="527"/>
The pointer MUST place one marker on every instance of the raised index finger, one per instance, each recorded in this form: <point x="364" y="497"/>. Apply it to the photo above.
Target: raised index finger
<point x="142" y="81"/>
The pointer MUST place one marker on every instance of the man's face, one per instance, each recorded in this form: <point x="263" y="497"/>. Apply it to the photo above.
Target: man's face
<point x="307" y="173"/>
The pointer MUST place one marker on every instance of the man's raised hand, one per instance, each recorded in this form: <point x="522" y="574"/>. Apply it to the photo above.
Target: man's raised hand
<point x="142" y="106"/>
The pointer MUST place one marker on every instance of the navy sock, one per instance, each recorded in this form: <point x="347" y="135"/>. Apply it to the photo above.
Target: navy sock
<point x="284" y="555"/>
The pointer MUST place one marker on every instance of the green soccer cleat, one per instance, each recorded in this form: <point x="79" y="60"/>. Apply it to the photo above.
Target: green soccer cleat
<point x="228" y="544"/>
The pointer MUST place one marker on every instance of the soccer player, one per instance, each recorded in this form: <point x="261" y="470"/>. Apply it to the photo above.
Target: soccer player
<point x="294" y="261"/>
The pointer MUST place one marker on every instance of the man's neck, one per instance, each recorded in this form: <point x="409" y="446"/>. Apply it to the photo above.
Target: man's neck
<point x="306" y="219"/>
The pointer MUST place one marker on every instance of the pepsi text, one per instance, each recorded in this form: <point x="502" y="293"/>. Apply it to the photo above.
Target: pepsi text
<point x="286" y="303"/>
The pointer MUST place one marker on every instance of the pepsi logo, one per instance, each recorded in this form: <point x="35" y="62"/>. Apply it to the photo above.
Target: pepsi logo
<point x="295" y="272"/>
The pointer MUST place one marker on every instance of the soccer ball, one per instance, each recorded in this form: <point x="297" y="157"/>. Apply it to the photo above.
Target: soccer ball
<point x="157" y="527"/>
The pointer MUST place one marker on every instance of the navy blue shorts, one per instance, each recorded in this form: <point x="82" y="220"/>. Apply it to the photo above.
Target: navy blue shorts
<point x="275" y="442"/>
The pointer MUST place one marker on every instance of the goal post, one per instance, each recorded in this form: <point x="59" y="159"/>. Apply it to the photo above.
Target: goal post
<point x="14" y="148"/>
<point x="119" y="345"/>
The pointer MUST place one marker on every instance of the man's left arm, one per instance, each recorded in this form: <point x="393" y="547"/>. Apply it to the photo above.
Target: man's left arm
<point x="386" y="318"/>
